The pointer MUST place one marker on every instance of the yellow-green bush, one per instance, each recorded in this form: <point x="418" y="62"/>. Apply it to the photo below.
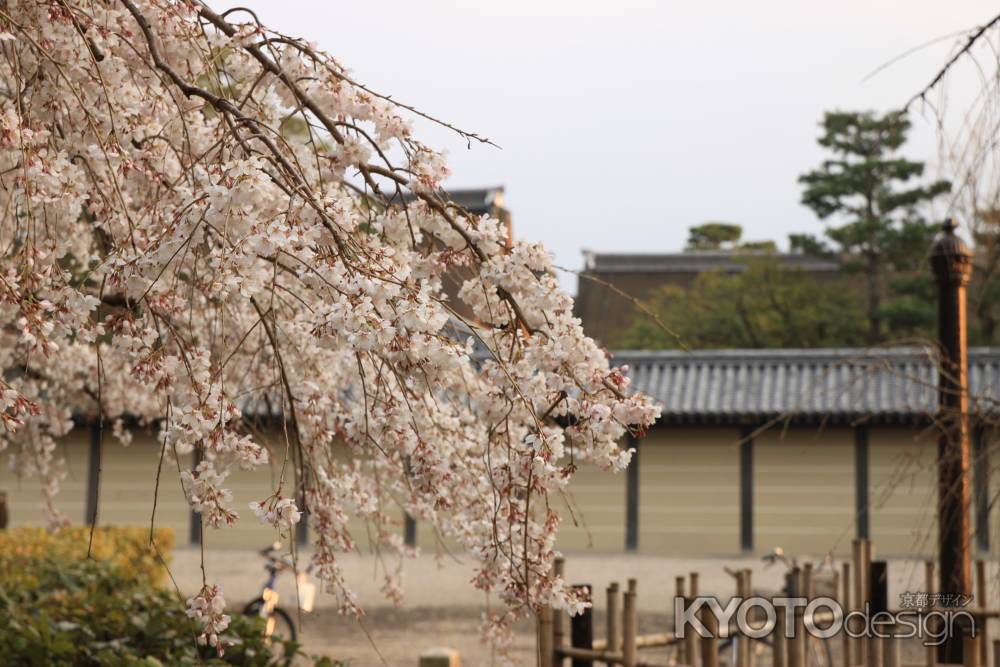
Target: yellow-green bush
<point x="127" y="548"/>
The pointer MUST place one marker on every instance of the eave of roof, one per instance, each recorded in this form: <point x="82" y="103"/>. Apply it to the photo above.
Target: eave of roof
<point x="843" y="384"/>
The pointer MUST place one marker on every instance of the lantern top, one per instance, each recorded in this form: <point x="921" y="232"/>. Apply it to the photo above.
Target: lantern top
<point x="951" y="258"/>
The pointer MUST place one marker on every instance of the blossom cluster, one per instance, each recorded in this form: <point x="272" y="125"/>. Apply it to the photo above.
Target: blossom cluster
<point x="212" y="229"/>
<point x="208" y="610"/>
<point x="278" y="512"/>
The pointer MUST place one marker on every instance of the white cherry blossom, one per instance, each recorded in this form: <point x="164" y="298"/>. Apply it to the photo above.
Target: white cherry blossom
<point x="214" y="230"/>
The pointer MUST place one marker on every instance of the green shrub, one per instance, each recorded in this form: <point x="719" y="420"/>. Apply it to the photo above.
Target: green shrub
<point x="59" y="608"/>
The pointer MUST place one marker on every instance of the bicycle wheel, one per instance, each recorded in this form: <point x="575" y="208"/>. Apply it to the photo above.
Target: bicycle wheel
<point x="279" y="624"/>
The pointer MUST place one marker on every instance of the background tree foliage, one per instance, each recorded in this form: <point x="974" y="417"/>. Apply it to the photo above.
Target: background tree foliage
<point x="876" y="219"/>
<point x="767" y="305"/>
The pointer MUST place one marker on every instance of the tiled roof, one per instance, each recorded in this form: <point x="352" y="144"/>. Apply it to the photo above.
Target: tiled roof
<point x="697" y="261"/>
<point x="846" y="384"/>
<point x="473" y="200"/>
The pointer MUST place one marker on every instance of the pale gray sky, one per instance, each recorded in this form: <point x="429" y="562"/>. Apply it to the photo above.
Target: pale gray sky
<point x="623" y="123"/>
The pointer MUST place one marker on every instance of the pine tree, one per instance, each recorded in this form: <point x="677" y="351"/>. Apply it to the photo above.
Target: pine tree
<point x="863" y="186"/>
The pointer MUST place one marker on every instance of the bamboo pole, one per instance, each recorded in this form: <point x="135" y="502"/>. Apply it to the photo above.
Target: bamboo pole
<point x="747" y="593"/>
<point x="614" y="637"/>
<point x="651" y="640"/>
<point x="742" y="642"/>
<point x="546" y="654"/>
<point x="970" y="651"/>
<point x="874" y="652"/>
<point x="559" y="617"/>
<point x="709" y="645"/>
<point x="589" y="655"/>
<point x="779" y="657"/>
<point x="984" y="646"/>
<point x="845" y="604"/>
<point x="891" y="651"/>
<point x="857" y="563"/>
<point x="690" y="638"/>
<point x="930" y="652"/>
<point x="682" y="654"/>
<point x="631" y="627"/>
<point x="794" y="642"/>
<point x="806" y="590"/>
<point x="866" y="568"/>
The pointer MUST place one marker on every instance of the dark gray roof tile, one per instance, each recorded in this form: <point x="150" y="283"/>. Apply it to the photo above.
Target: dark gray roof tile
<point x="898" y="383"/>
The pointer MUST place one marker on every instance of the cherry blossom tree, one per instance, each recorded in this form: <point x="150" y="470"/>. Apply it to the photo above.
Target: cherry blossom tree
<point x="203" y="219"/>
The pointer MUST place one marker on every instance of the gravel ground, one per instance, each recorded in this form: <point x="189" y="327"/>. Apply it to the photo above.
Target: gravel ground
<point x="441" y="609"/>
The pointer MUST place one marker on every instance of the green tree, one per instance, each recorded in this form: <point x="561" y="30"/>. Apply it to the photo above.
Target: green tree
<point x="714" y="236"/>
<point x="724" y="236"/>
<point x="880" y="233"/>
<point x="767" y="305"/>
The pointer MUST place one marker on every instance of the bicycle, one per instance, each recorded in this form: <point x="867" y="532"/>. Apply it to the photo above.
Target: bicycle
<point x="278" y="622"/>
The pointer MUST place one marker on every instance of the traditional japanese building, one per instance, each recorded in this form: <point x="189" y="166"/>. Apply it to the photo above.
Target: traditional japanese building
<point x="607" y="315"/>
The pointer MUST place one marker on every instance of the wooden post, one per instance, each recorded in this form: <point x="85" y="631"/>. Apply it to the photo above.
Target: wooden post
<point x="845" y="604"/>
<point x="984" y="646"/>
<point x="559" y="617"/>
<point x="951" y="261"/>
<point x="866" y="554"/>
<point x="630" y="627"/>
<point x="874" y="652"/>
<point x="805" y="589"/>
<point x="779" y="655"/>
<point x="857" y="559"/>
<point x="970" y="650"/>
<point x="747" y="593"/>
<point x="742" y="642"/>
<point x="546" y="653"/>
<point x="581" y="629"/>
<point x="690" y="638"/>
<point x="930" y="652"/>
<point x="614" y="636"/>
<point x="682" y="654"/>
<point x="709" y="645"/>
<point x="891" y="651"/>
<point x="996" y="653"/>
<point x="795" y="643"/>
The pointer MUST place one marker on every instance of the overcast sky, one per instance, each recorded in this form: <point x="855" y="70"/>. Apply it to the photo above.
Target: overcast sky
<point x="623" y="123"/>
